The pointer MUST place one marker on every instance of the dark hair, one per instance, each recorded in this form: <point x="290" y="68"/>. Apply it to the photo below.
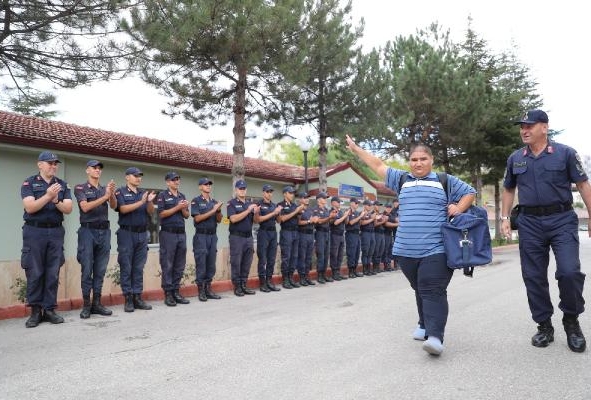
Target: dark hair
<point x="420" y="147"/>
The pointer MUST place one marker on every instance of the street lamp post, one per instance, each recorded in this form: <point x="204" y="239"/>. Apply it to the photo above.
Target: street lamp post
<point x="305" y="146"/>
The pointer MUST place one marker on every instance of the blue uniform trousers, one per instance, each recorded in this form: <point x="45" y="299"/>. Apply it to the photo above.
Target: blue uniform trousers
<point x="41" y="258"/>
<point x="289" y="242"/>
<point x="241" y="254"/>
<point x="387" y="254"/>
<point x="266" y="253"/>
<point x="429" y="277"/>
<point x="378" y="251"/>
<point x="173" y="259"/>
<point x="133" y="253"/>
<point x="337" y="247"/>
<point x="353" y="248"/>
<point x="94" y="249"/>
<point x="322" y="250"/>
<point x="536" y="235"/>
<point x="205" y="249"/>
<point x="368" y="244"/>
<point x="305" y="250"/>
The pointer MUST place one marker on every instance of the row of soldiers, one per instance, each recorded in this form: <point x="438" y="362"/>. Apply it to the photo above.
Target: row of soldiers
<point x="47" y="198"/>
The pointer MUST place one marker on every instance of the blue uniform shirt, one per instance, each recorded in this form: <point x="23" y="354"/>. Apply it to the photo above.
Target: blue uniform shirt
<point x="89" y="193"/>
<point x="367" y="227"/>
<point x="166" y="200"/>
<point x="355" y="226"/>
<point x="546" y="179"/>
<point x="391" y="218"/>
<point x="321" y="212"/>
<point x="139" y="216"/>
<point x="200" y="205"/>
<point x="235" y="206"/>
<point x="340" y="228"/>
<point x="288" y="208"/>
<point x="37" y="187"/>
<point x="305" y="215"/>
<point x="267" y="208"/>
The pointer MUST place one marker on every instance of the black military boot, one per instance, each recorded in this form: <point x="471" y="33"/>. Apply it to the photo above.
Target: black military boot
<point x="336" y="275"/>
<point x="51" y="316"/>
<point x="321" y="278"/>
<point x="545" y="334"/>
<point x="97" y="307"/>
<point x="179" y="298"/>
<point x="352" y="273"/>
<point x="85" y="313"/>
<point x="202" y="293"/>
<point x="128" y="305"/>
<point x="366" y="270"/>
<point x="271" y="286"/>
<point x="238" y="289"/>
<point x="139" y="304"/>
<point x="303" y="281"/>
<point x="169" y="299"/>
<point x="574" y="336"/>
<point x="293" y="282"/>
<point x="210" y="293"/>
<point x="286" y="282"/>
<point x="246" y="290"/>
<point x="309" y="281"/>
<point x="327" y="277"/>
<point x="35" y="317"/>
<point x="388" y="267"/>
<point x="376" y="269"/>
<point x="263" y="285"/>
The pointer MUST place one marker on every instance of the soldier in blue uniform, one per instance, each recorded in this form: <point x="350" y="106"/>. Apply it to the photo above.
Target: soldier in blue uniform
<point x="321" y="236"/>
<point x="207" y="214"/>
<point x="337" y="238"/>
<point x="368" y="242"/>
<point x="306" y="239"/>
<point x="94" y="236"/>
<point x="267" y="239"/>
<point x="46" y="198"/>
<point x="543" y="172"/>
<point x="241" y="214"/>
<point x="389" y="228"/>
<point x="173" y="209"/>
<point x="289" y="237"/>
<point x="378" y="231"/>
<point x="352" y="238"/>
<point x="135" y="206"/>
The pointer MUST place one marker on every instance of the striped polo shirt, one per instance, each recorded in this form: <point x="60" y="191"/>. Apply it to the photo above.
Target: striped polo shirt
<point x="422" y="211"/>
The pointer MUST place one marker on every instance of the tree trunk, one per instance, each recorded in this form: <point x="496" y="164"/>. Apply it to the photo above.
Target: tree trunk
<point x="239" y="129"/>
<point x="322" y="149"/>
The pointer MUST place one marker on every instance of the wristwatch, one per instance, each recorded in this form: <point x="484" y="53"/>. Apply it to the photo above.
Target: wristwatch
<point x="504" y="218"/>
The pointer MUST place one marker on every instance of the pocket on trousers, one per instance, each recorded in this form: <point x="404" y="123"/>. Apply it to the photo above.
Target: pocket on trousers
<point x="25" y="257"/>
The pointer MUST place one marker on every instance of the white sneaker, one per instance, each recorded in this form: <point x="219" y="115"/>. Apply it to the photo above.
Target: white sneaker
<point x="433" y="346"/>
<point x="419" y="333"/>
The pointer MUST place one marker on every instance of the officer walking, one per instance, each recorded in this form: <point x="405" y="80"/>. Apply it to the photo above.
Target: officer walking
<point x="173" y="209"/>
<point x="368" y="242"/>
<point x="46" y="198"/>
<point x="378" y="237"/>
<point x="337" y="238"/>
<point x="288" y="237"/>
<point x="267" y="239"/>
<point x="241" y="213"/>
<point x="543" y="172"/>
<point x="306" y="239"/>
<point x="321" y="236"/>
<point x="94" y="236"/>
<point x="135" y="206"/>
<point x="207" y="214"/>
<point x="352" y="239"/>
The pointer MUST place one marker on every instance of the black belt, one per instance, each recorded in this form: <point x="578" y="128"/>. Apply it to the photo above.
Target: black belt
<point x="546" y="210"/>
<point x="306" y="231"/>
<point x="95" y="225"/>
<point x="242" y="234"/>
<point x="337" y="232"/>
<point x="352" y="231"/>
<point x="289" y="228"/>
<point x="172" y="229"/>
<point x="43" y="224"/>
<point x="131" y="228"/>
<point x="319" y="229"/>
<point x="267" y="228"/>
<point x="205" y="231"/>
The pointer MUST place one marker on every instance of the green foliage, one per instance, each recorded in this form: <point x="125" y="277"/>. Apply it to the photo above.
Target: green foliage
<point x="20" y="289"/>
<point x="114" y="274"/>
<point x="188" y="274"/>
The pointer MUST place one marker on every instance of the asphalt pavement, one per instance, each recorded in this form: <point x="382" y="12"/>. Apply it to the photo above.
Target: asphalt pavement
<point x="343" y="340"/>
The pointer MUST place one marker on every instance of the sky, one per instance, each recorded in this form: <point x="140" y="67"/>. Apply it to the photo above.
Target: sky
<point x="550" y="39"/>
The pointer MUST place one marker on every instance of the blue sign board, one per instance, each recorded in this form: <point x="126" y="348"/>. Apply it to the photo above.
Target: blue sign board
<point x="350" y="190"/>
